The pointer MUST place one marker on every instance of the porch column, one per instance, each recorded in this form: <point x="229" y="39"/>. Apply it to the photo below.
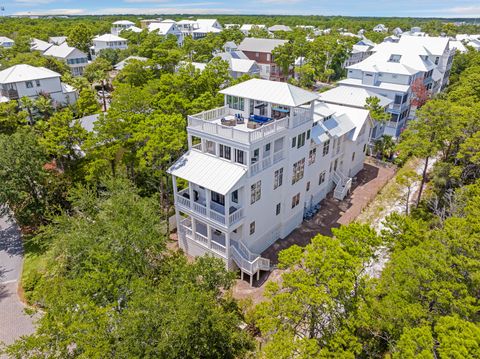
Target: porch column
<point x="227" y="245"/>
<point x="190" y="193"/>
<point x="209" y="235"/>
<point x="227" y="208"/>
<point x="194" y="227"/>
<point x="174" y="183"/>
<point x="208" y="196"/>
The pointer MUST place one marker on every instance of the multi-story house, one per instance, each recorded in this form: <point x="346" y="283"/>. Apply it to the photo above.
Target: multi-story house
<point x="392" y="70"/>
<point x="257" y="164"/>
<point x="246" y="28"/>
<point x="6" y="42"/>
<point x="57" y="40"/>
<point x="260" y="50"/>
<point x="120" y="25"/>
<point x="239" y="64"/>
<point x="360" y="51"/>
<point x="28" y="81"/>
<point x="73" y="57"/>
<point x="107" y="41"/>
<point x="165" y="28"/>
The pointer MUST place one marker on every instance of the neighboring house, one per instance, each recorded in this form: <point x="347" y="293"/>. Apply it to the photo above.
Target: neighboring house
<point x="206" y="26"/>
<point x="6" y="42"/>
<point x="39" y="45"/>
<point x="144" y="23"/>
<point x="277" y="28"/>
<point x="120" y="25"/>
<point x="380" y="28"/>
<point x="122" y="64"/>
<point x="459" y="46"/>
<point x="165" y="28"/>
<point x="391" y="38"/>
<point x="28" y="81"/>
<point x="230" y="46"/>
<point x="57" y="40"/>
<point x="468" y="40"/>
<point x="107" y="41"/>
<point x="360" y="51"/>
<point x="397" y="31"/>
<point x="239" y="64"/>
<point x="260" y="50"/>
<point x="249" y="182"/>
<point x="198" y="65"/>
<point x="73" y="57"/>
<point x="356" y="97"/>
<point x="246" y="28"/>
<point x="392" y="69"/>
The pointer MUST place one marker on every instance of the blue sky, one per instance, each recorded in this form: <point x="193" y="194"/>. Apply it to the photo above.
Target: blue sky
<point x="418" y="8"/>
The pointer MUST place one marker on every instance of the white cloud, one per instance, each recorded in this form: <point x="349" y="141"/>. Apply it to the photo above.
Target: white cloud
<point x="52" y="12"/>
<point x="32" y="2"/>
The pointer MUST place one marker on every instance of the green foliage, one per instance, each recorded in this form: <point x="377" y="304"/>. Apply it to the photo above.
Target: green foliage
<point x="377" y="112"/>
<point x="87" y="103"/>
<point x="80" y="36"/>
<point x="11" y="118"/>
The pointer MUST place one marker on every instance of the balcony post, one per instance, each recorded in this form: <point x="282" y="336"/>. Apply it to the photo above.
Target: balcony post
<point x="174" y="183"/>
<point x="227" y="209"/>
<point x="209" y="236"/>
<point x="208" y="195"/>
<point x="190" y="193"/>
<point x="227" y="245"/>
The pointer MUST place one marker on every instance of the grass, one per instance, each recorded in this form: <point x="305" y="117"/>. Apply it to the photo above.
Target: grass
<point x="34" y="264"/>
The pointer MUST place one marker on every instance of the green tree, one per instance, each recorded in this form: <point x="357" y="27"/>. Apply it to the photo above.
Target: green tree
<point x="80" y="36"/>
<point x="11" y="118"/>
<point x="98" y="71"/>
<point x="87" y="103"/>
<point x="377" y="112"/>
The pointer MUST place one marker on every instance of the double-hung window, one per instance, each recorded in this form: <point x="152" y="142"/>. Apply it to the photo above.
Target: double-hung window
<point x="326" y="147"/>
<point x="225" y="152"/>
<point x="256" y="192"/>
<point x="298" y="169"/>
<point x="278" y="178"/>
<point x="311" y="156"/>
<point x="295" y="200"/>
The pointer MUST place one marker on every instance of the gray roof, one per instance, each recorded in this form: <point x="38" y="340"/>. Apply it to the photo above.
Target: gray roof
<point x="351" y="96"/>
<point x="122" y="64"/>
<point x="260" y="45"/>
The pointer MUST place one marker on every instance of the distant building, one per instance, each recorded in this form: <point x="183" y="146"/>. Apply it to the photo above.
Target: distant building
<point x="120" y="25"/>
<point x="247" y="28"/>
<point x="29" y="81"/>
<point x="397" y="31"/>
<point x="260" y="50"/>
<point x="360" y="51"/>
<point x="39" y="45"/>
<point x="239" y="64"/>
<point x="107" y="41"/>
<point x="166" y="28"/>
<point x="73" y="57"/>
<point x="6" y="42"/>
<point x="57" y="40"/>
<point x="380" y="28"/>
<point x="277" y="28"/>
<point x="122" y="64"/>
<point x="144" y="23"/>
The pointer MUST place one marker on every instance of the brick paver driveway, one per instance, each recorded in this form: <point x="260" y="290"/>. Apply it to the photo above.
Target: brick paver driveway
<point x="13" y="321"/>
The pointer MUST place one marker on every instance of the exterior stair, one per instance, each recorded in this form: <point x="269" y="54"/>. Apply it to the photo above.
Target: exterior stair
<point x="248" y="262"/>
<point x="343" y="184"/>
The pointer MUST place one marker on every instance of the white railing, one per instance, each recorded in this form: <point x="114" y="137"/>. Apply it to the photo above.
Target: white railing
<point x="214" y="114"/>
<point x="278" y="156"/>
<point x="300" y="116"/>
<point x="265" y="163"/>
<point x="236" y="216"/>
<point x="217" y="217"/>
<point x="197" y="207"/>
<point x="181" y="200"/>
<point x="198" y="146"/>
<point x="217" y="247"/>
<point x="199" y="238"/>
<point x="343" y="184"/>
<point x="197" y="122"/>
<point x="250" y="266"/>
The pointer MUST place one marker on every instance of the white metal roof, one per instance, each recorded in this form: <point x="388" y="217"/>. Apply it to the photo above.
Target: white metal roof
<point x="57" y="40"/>
<point x="279" y="28"/>
<point x="123" y="22"/>
<point x="208" y="171"/>
<point x="39" y="45"/>
<point x="108" y="38"/>
<point x="122" y="63"/>
<point x="260" y="45"/>
<point x="61" y="51"/>
<point x="241" y="65"/>
<point x="355" y="116"/>
<point x="19" y="73"/>
<point x="271" y="91"/>
<point x="382" y="85"/>
<point x="163" y="28"/>
<point x="5" y="39"/>
<point x="432" y="44"/>
<point x="134" y="29"/>
<point x="351" y="96"/>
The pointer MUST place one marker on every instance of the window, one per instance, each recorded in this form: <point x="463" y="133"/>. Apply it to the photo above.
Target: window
<point x="218" y="198"/>
<point x="298" y="169"/>
<point x="256" y="155"/>
<point x="225" y="152"/>
<point x="398" y="99"/>
<point x="294" y="142"/>
<point x="437" y="60"/>
<point x="353" y="156"/>
<point x="239" y="156"/>
<point x="268" y="57"/>
<point x="326" y="147"/>
<point x="29" y="84"/>
<point x="256" y="192"/>
<point x="210" y="145"/>
<point x="335" y="165"/>
<point x="295" y="200"/>
<point x="37" y="82"/>
<point x="405" y="98"/>
<point x="266" y="152"/>
<point x="301" y="140"/>
<point x="395" y="58"/>
<point x="308" y="134"/>
<point x="235" y="196"/>
<point x="308" y="186"/>
<point x="365" y="148"/>
<point x="235" y="102"/>
<point x="321" y="178"/>
<point x="278" y="209"/>
<point x="278" y="178"/>
<point x="311" y="156"/>
<point x="252" y="228"/>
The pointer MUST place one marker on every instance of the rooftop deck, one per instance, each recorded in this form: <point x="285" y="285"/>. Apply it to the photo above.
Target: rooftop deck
<point x="222" y="122"/>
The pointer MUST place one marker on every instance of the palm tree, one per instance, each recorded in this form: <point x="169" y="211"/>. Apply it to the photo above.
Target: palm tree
<point x="44" y="106"/>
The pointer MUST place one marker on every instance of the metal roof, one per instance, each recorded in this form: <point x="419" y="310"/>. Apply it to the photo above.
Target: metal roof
<point x="382" y="85"/>
<point x="108" y="38"/>
<point x="260" y="45"/>
<point x="351" y="96"/>
<point x="211" y="172"/>
<point x="271" y="91"/>
<point x="61" y="51"/>
<point x="19" y="73"/>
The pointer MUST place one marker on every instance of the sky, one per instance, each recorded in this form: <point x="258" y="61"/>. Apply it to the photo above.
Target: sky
<point x="402" y="8"/>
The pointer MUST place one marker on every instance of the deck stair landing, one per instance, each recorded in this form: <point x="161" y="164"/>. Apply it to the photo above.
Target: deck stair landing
<point x="343" y="184"/>
<point x="248" y="262"/>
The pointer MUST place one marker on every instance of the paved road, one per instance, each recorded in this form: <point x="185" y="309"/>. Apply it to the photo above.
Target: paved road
<point x="13" y="321"/>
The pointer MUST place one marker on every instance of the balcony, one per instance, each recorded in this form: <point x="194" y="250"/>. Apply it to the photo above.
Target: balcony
<point x="12" y="94"/>
<point x="222" y="122"/>
<point x="216" y="243"/>
<point x="216" y="212"/>
<point x="266" y="162"/>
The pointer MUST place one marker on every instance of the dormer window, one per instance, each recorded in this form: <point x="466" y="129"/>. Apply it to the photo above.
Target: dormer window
<point x="395" y="58"/>
<point x="235" y="102"/>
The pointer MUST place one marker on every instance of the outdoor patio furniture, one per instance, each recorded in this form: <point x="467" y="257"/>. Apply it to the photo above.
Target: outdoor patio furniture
<point x="228" y="121"/>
